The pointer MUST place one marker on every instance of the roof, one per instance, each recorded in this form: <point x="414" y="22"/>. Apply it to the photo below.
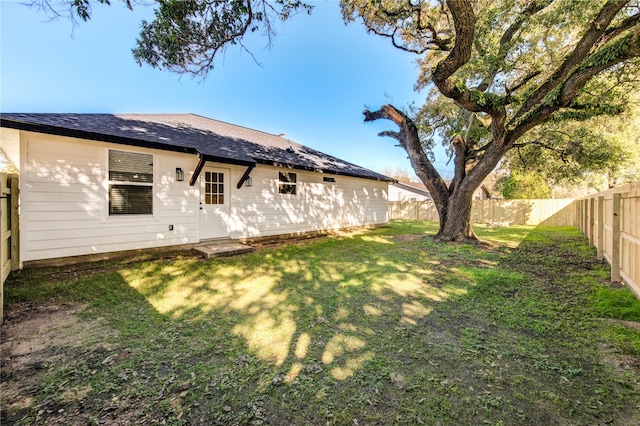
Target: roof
<point x="210" y="139"/>
<point x="415" y="187"/>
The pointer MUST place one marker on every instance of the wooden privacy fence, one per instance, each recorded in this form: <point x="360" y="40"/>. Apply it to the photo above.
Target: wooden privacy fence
<point x="610" y="220"/>
<point x="558" y="212"/>
<point x="9" y="248"/>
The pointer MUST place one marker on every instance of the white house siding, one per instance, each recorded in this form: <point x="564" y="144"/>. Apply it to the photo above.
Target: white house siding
<point x="10" y="145"/>
<point x="64" y="199"/>
<point x="260" y="210"/>
<point x="400" y="194"/>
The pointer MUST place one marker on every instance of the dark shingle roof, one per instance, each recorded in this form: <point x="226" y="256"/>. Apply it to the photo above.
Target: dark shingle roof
<point x="212" y="140"/>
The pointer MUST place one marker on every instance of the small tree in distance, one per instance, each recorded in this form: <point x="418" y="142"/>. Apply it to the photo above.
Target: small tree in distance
<point x="522" y="186"/>
<point x="398" y="173"/>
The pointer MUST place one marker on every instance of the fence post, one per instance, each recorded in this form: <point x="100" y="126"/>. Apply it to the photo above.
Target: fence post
<point x="579" y="214"/>
<point x="592" y="221"/>
<point x="615" y="247"/>
<point x="600" y="246"/>
<point x="15" y="222"/>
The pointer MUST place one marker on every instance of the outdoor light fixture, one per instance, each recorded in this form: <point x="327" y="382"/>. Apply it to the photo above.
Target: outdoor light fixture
<point x="249" y="181"/>
<point x="179" y="174"/>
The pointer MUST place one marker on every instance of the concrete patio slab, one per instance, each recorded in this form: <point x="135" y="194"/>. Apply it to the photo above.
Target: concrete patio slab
<point x="223" y="249"/>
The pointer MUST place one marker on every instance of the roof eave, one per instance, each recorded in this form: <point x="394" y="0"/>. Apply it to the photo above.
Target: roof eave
<point x="418" y="191"/>
<point x="83" y="134"/>
<point x="225" y="160"/>
<point x="321" y="170"/>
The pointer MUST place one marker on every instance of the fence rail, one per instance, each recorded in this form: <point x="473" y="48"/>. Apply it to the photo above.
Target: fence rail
<point x="559" y="212"/>
<point x="611" y="222"/>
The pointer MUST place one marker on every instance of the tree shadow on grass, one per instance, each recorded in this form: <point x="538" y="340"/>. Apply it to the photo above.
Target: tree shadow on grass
<point x="313" y="317"/>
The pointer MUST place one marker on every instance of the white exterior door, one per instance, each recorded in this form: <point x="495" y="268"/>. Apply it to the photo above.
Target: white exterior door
<point x="214" y="203"/>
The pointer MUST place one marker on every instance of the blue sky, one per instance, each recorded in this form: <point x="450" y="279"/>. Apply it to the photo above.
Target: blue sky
<point x="312" y="84"/>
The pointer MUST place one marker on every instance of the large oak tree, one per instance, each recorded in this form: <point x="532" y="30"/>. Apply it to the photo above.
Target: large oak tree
<point x="500" y="70"/>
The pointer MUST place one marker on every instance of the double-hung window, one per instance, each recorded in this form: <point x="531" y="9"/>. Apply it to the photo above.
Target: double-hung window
<point x="130" y="183"/>
<point x="287" y="183"/>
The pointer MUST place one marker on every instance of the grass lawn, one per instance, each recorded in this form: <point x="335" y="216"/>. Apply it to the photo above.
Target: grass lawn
<point x="377" y="327"/>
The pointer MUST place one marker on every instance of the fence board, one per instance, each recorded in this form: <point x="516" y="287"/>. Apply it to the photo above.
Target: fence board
<point x="515" y="212"/>
<point x="5" y="227"/>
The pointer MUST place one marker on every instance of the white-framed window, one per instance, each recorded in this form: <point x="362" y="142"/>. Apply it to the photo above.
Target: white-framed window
<point x="130" y="183"/>
<point x="213" y="188"/>
<point x="287" y="182"/>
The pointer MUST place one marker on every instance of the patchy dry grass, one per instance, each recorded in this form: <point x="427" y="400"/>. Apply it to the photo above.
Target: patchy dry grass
<point x="378" y="327"/>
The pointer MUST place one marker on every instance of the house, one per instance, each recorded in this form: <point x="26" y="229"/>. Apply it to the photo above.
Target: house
<point x="101" y="183"/>
<point x="408" y="191"/>
<point x="483" y="193"/>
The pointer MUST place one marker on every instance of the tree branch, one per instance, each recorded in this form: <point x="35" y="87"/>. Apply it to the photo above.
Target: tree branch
<point x="186" y="36"/>
<point x="524" y="80"/>
<point x="399" y="136"/>
<point x="562" y="152"/>
<point x="412" y="145"/>
<point x="464" y="24"/>
<point x="507" y="37"/>
<point x="454" y="88"/>
<point x="459" y="148"/>
<point x="594" y="33"/>
<point x="408" y="24"/>
<point x="621" y="50"/>
<point x="537" y="142"/>
<point x="395" y="44"/>
<point x="613" y="32"/>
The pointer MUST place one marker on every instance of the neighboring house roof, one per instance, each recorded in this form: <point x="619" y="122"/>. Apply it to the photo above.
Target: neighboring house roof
<point x="210" y="139"/>
<point x="418" y="185"/>
<point x="415" y="187"/>
<point x="486" y="191"/>
<point x="420" y="188"/>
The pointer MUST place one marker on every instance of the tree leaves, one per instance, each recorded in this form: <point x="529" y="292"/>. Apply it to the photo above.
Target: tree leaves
<point x="186" y="35"/>
<point x="72" y="9"/>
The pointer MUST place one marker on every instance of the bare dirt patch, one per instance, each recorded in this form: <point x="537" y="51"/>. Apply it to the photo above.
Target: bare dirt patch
<point x="35" y="339"/>
<point x="408" y="238"/>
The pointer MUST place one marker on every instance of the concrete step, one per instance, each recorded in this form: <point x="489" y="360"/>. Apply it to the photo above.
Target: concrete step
<point x="223" y="249"/>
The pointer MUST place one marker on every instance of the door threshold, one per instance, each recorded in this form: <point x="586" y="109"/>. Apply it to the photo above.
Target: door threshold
<point x="210" y="241"/>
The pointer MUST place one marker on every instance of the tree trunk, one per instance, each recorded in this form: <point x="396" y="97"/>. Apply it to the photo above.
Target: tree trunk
<point x="455" y="218"/>
<point x="453" y="201"/>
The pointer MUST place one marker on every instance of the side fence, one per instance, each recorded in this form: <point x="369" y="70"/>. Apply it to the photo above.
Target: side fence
<point x="9" y="241"/>
<point x="609" y="219"/>
<point x="611" y="222"/>
<point x="558" y="212"/>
